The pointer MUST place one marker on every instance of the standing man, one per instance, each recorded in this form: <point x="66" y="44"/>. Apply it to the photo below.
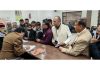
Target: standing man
<point x="60" y="31"/>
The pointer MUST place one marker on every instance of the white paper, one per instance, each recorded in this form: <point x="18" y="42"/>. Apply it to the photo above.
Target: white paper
<point x="25" y="41"/>
<point x="31" y="47"/>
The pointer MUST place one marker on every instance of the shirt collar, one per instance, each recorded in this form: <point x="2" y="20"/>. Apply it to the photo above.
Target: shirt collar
<point x="81" y="32"/>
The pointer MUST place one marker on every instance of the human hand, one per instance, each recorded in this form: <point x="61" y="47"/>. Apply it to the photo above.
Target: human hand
<point x="37" y="51"/>
<point x="60" y="48"/>
<point x="38" y="40"/>
<point x="62" y="44"/>
<point x="93" y="40"/>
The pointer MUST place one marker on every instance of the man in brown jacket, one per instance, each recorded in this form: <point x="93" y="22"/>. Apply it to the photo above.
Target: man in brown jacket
<point x="12" y="46"/>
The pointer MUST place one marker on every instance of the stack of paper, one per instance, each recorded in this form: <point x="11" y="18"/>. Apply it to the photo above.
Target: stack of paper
<point x="29" y="47"/>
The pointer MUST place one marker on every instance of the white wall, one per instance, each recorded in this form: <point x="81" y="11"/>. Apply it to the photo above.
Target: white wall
<point x="39" y="15"/>
<point x="94" y="18"/>
<point x="84" y="14"/>
<point x="36" y="15"/>
<point x="7" y="15"/>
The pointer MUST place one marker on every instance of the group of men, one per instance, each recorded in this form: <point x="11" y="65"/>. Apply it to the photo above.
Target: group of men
<point x="58" y="35"/>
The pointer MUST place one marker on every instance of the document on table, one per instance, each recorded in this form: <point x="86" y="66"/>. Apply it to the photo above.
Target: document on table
<point x="29" y="47"/>
<point x="25" y="41"/>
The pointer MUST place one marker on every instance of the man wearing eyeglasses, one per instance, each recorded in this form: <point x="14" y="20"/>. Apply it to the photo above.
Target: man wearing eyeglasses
<point x="95" y="44"/>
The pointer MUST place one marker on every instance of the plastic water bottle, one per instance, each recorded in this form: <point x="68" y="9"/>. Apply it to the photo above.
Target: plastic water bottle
<point x="43" y="54"/>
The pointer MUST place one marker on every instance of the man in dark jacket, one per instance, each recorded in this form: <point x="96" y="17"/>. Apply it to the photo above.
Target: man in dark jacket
<point x="95" y="44"/>
<point x="30" y="34"/>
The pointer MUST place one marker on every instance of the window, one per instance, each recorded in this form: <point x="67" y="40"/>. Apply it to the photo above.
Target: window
<point x="71" y="16"/>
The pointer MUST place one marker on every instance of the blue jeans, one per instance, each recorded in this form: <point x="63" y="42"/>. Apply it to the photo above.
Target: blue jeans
<point x="94" y="50"/>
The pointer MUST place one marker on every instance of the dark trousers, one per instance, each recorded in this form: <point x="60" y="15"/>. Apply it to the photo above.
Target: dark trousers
<point x="94" y="50"/>
<point x="1" y="42"/>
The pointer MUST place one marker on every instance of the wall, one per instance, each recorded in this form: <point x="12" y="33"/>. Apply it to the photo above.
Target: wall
<point x="84" y="14"/>
<point x="39" y="15"/>
<point x="94" y="18"/>
<point x="7" y="15"/>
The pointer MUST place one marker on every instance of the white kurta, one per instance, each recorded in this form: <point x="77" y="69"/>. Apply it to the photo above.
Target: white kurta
<point x="61" y="34"/>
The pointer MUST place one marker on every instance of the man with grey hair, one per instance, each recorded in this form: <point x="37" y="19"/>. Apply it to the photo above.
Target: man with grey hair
<point x="80" y="44"/>
<point x="60" y="31"/>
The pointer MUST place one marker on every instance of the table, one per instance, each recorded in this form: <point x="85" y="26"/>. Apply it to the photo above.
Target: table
<point x="53" y="53"/>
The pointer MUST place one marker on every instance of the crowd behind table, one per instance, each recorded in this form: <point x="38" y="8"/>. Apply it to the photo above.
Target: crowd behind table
<point x="84" y="41"/>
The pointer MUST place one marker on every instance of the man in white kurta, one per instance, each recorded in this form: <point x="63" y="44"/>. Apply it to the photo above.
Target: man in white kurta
<point x="60" y="31"/>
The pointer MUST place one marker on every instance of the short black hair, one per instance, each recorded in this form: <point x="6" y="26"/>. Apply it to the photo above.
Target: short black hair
<point x="19" y="30"/>
<point x="82" y="22"/>
<point x="29" y="25"/>
<point x="33" y="22"/>
<point x="46" y="22"/>
<point x="38" y="23"/>
<point x="50" y="21"/>
<point x="26" y="19"/>
<point x="21" y="20"/>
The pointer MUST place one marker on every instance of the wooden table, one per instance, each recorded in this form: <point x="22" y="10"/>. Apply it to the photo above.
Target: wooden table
<point x="53" y="53"/>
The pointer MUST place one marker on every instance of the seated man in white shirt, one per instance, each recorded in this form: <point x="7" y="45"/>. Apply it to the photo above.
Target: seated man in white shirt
<point x="80" y="42"/>
<point x="60" y="31"/>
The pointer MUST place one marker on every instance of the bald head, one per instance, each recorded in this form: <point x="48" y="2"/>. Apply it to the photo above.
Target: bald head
<point x="56" y="21"/>
<point x="57" y="18"/>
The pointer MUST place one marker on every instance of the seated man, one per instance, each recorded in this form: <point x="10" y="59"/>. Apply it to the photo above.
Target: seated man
<point x="30" y="34"/>
<point x="47" y="33"/>
<point x="39" y="32"/>
<point x="95" y="44"/>
<point x="80" y="42"/>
